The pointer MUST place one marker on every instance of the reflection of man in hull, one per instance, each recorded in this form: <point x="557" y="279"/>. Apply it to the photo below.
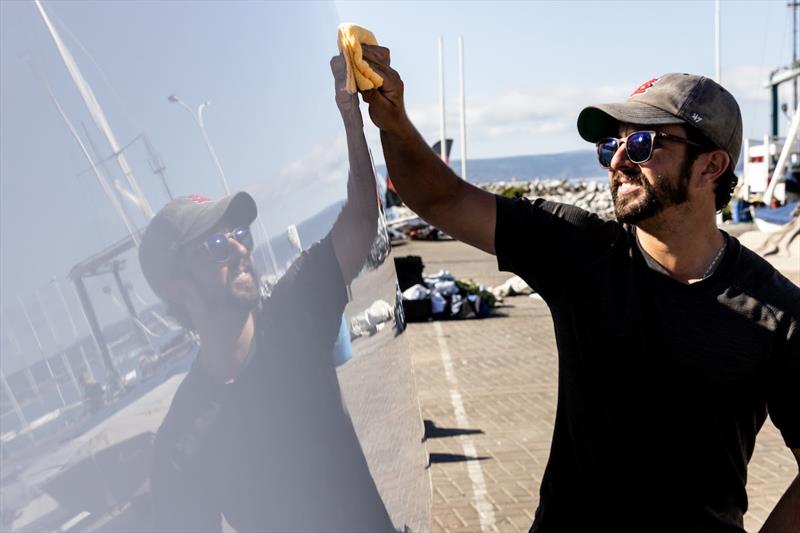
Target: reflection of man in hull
<point x="257" y="431"/>
<point x="674" y="341"/>
<point x="93" y="393"/>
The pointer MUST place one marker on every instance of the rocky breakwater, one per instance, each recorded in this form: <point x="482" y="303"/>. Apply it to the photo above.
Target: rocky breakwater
<point x="593" y="196"/>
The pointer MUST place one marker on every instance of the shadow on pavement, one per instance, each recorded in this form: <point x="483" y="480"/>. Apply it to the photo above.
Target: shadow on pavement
<point x="432" y="431"/>
<point x="436" y="458"/>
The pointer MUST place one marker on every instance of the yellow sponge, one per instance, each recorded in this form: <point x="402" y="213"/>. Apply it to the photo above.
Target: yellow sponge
<point x="359" y="74"/>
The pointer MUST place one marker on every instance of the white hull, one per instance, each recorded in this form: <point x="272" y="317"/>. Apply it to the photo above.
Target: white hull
<point x="767" y="227"/>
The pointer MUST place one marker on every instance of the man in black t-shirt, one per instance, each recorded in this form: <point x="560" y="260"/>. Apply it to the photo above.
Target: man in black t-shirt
<point x="257" y="432"/>
<point x="674" y="341"/>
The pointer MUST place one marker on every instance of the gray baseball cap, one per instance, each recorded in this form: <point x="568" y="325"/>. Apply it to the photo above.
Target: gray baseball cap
<point x="182" y="221"/>
<point x="672" y="99"/>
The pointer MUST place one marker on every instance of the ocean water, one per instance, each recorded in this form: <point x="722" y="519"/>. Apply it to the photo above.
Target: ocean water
<point x="578" y="164"/>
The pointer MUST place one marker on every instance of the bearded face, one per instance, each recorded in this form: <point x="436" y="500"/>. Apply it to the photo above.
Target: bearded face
<point x="232" y="284"/>
<point x="636" y="199"/>
<point x="239" y="289"/>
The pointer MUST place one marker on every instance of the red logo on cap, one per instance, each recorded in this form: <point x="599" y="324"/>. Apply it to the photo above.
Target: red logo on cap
<point x="643" y="87"/>
<point x="196" y="198"/>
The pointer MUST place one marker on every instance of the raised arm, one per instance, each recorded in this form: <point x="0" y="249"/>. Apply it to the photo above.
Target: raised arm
<point x="426" y="184"/>
<point x="357" y="225"/>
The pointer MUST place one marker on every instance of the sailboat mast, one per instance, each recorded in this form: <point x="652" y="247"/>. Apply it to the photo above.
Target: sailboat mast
<point x="463" y="110"/>
<point x="794" y="6"/>
<point x="718" y="41"/>
<point x="14" y="403"/>
<point x="93" y="106"/>
<point x="41" y="350"/>
<point x="442" y="128"/>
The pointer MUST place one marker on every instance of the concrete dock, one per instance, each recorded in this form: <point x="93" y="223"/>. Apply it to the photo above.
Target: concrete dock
<point x="487" y="391"/>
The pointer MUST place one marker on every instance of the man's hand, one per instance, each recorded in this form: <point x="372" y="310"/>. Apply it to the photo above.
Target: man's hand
<point x="346" y="102"/>
<point x="386" y="108"/>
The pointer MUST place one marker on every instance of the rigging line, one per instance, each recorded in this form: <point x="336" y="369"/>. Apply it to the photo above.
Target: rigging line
<point x="112" y="156"/>
<point x="38" y="72"/>
<point x="108" y="172"/>
<point x="100" y="178"/>
<point x="100" y="70"/>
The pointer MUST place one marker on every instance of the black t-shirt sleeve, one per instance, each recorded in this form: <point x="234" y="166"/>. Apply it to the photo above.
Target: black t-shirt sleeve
<point x="783" y="400"/>
<point x="306" y="305"/>
<point x="546" y="243"/>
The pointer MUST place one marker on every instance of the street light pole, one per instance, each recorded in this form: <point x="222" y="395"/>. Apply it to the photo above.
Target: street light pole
<point x="211" y="150"/>
<point x="198" y="119"/>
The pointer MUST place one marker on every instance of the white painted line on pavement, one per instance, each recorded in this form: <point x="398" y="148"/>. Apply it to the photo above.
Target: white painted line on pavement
<point x="72" y="522"/>
<point x="482" y="504"/>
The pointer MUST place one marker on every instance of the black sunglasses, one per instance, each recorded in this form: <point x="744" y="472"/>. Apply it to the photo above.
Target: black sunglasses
<point x="638" y="146"/>
<point x="219" y="245"/>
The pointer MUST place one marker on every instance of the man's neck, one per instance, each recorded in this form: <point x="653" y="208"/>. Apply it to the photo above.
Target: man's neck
<point x="684" y="243"/>
<point x="226" y="338"/>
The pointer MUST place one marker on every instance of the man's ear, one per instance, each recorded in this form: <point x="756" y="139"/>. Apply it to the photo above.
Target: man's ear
<point x="712" y="166"/>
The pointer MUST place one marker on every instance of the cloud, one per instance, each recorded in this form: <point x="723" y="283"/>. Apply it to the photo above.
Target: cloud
<point x="513" y="114"/>
<point x="325" y="165"/>
<point x="303" y="187"/>
<point x="746" y="82"/>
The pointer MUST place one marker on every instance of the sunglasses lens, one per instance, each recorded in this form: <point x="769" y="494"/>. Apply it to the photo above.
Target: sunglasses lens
<point x="244" y="237"/>
<point x="606" y="150"/>
<point x="640" y="147"/>
<point x="218" y="247"/>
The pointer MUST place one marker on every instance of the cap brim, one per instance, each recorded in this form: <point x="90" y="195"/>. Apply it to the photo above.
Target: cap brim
<point x="603" y="120"/>
<point x="237" y="209"/>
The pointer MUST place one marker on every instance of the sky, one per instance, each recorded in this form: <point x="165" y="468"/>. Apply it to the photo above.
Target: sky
<point x="529" y="69"/>
<point x="531" y="66"/>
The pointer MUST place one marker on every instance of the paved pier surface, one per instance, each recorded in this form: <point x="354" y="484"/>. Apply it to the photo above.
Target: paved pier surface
<point x="497" y="377"/>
